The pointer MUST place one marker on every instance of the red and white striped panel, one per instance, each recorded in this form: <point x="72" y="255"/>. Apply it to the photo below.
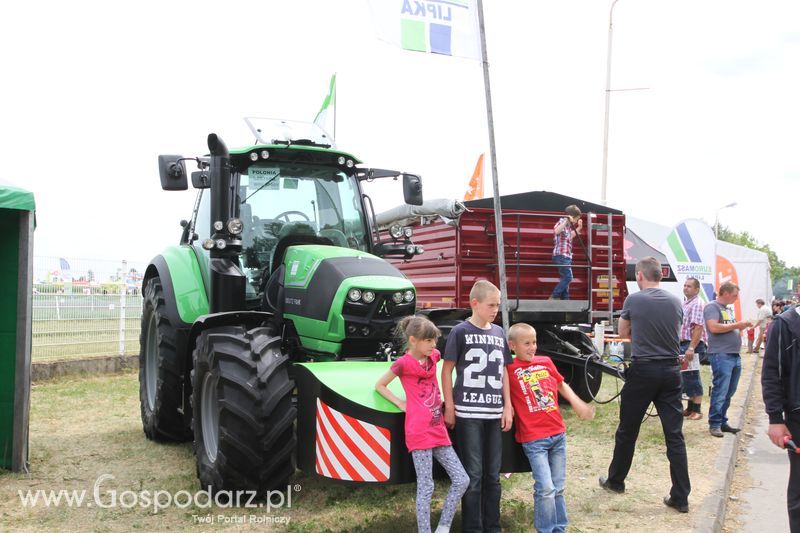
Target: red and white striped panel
<point x="350" y="449"/>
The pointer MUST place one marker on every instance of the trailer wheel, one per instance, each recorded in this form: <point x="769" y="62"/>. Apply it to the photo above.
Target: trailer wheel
<point x="586" y="386"/>
<point x="243" y="417"/>
<point x="160" y="375"/>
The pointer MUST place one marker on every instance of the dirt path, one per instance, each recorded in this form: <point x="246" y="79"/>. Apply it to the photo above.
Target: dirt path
<point x="84" y="429"/>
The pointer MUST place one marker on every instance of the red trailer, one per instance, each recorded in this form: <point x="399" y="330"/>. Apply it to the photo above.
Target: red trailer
<point x="459" y="252"/>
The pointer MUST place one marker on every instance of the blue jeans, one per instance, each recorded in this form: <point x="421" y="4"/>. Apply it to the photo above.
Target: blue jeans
<point x="548" y="458"/>
<point x="561" y="292"/>
<point x="479" y="447"/>
<point x="725" y="371"/>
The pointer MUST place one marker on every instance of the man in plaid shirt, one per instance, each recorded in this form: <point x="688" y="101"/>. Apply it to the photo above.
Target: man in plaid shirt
<point x="693" y="344"/>
<point x="563" y="233"/>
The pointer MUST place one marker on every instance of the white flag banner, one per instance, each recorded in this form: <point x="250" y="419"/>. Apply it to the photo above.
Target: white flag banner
<point x="447" y="27"/>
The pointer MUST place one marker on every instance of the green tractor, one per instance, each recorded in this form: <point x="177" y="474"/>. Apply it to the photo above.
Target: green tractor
<point x="280" y="265"/>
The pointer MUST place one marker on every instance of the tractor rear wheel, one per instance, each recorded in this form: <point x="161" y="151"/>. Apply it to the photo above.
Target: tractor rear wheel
<point x="243" y="417"/>
<point x="160" y="375"/>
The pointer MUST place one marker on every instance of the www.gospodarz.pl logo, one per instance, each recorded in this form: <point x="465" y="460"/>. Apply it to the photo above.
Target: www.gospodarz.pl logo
<point x="157" y="499"/>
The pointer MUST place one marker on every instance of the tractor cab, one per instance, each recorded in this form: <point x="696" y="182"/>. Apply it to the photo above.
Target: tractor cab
<point x="283" y="227"/>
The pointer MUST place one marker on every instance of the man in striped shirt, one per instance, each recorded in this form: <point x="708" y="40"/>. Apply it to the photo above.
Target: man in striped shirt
<point x="563" y="232"/>
<point x="693" y="344"/>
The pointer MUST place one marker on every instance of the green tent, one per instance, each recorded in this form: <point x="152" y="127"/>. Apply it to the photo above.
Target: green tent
<point x="16" y="272"/>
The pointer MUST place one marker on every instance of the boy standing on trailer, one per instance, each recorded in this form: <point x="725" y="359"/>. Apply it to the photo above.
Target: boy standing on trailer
<point x="479" y="405"/>
<point x="563" y="233"/>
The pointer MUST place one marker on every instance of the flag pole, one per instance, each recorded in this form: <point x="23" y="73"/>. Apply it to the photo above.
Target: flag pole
<point x="498" y="216"/>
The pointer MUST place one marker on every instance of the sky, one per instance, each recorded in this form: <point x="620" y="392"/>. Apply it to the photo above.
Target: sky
<point x="94" y="91"/>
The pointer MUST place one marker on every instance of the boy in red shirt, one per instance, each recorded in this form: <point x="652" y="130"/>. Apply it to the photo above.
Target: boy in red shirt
<point x="535" y="384"/>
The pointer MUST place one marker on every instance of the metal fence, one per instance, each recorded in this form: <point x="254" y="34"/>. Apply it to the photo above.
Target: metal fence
<point x="85" y="308"/>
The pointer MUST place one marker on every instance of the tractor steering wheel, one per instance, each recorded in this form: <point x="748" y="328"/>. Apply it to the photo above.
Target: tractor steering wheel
<point x="285" y="215"/>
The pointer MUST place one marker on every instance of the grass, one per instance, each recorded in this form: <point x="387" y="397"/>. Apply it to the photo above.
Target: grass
<point x="84" y="428"/>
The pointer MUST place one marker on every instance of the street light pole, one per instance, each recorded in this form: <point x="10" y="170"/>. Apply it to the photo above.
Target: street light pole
<point x="608" y="104"/>
<point x="716" y="218"/>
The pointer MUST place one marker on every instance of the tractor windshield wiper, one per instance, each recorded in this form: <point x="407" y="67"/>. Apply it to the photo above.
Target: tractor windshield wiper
<point x="301" y="142"/>
<point x="265" y="184"/>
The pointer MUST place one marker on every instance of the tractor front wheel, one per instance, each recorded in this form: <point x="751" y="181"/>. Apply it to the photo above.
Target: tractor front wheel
<point x="160" y="374"/>
<point x="243" y="417"/>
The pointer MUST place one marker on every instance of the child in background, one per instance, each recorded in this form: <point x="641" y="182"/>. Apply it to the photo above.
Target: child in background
<point x="478" y="406"/>
<point x="426" y="434"/>
<point x="535" y="384"/>
<point x="565" y="230"/>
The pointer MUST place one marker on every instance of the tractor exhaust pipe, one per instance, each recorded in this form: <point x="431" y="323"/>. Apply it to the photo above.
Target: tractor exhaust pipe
<point x="226" y="278"/>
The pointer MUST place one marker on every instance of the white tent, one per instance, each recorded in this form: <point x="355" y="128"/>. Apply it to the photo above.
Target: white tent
<point x="751" y="266"/>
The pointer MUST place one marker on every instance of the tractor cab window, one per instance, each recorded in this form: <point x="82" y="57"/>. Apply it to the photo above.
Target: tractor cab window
<point x="283" y="204"/>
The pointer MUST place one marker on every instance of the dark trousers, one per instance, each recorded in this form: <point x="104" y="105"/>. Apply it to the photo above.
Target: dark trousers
<point x="659" y="383"/>
<point x="479" y="446"/>
<point x="793" y="491"/>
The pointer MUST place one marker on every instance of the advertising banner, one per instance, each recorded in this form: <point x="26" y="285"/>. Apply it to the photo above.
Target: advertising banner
<point x="691" y="250"/>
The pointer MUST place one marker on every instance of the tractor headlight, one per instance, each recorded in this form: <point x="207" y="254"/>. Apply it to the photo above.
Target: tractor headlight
<point x="408" y="232"/>
<point x="340" y="160"/>
<point x="420" y="249"/>
<point x="396" y="231"/>
<point x="408" y="296"/>
<point x="235" y="226"/>
<point x="410" y="249"/>
<point x="221" y="244"/>
<point x="208" y="244"/>
<point x="264" y="154"/>
<point x="350" y="163"/>
<point x="397" y="297"/>
<point x="368" y="297"/>
<point x="354" y="295"/>
<point x="253" y="156"/>
<point x="218" y="225"/>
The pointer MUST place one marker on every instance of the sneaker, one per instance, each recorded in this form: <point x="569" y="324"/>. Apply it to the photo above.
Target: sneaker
<point x="608" y="486"/>
<point x="680" y="508"/>
<point x="727" y="429"/>
<point x="716" y="432"/>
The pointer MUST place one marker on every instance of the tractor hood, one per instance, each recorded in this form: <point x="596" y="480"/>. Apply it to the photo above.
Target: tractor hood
<point x="317" y="281"/>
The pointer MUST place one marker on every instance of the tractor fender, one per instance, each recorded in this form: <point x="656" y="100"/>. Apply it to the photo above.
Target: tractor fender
<point x="158" y="268"/>
<point x="248" y="319"/>
<point x="183" y="284"/>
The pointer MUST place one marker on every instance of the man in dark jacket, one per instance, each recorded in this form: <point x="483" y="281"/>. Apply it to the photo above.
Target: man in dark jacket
<point x="780" y="380"/>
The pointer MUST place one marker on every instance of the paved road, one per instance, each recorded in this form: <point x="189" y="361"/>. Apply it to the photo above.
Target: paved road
<point x="762" y="501"/>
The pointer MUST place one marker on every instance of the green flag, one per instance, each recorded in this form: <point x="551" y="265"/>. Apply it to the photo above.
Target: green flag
<point x="327" y="113"/>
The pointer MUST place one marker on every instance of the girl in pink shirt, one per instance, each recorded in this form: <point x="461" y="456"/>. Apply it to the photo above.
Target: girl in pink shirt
<point x="426" y="434"/>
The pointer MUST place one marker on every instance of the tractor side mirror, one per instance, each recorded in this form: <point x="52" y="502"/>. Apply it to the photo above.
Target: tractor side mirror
<point x="412" y="189"/>
<point x="172" y="170"/>
<point x="201" y="179"/>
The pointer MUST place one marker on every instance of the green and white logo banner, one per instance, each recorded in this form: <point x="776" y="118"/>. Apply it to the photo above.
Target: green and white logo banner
<point x="691" y="250"/>
<point x="447" y="27"/>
